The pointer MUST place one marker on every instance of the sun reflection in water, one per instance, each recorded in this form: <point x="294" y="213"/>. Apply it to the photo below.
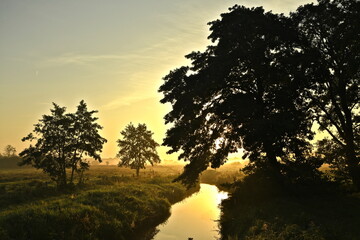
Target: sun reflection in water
<point x="194" y="217"/>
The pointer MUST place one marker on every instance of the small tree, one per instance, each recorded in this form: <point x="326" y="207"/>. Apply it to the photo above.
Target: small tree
<point x="9" y="151"/>
<point x="62" y="140"/>
<point x="137" y="147"/>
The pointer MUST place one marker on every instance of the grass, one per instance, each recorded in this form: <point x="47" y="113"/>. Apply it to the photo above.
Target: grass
<point x="264" y="210"/>
<point x="111" y="205"/>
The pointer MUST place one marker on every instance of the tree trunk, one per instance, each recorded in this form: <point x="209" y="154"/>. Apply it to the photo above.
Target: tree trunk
<point x="137" y="172"/>
<point x="355" y="176"/>
<point x="353" y="165"/>
<point x="351" y="158"/>
<point x="62" y="177"/>
<point x="81" y="177"/>
<point x="271" y="158"/>
<point x="61" y="181"/>
<point x="72" y="174"/>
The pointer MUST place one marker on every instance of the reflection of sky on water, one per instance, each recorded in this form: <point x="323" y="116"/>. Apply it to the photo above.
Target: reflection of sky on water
<point x="194" y="217"/>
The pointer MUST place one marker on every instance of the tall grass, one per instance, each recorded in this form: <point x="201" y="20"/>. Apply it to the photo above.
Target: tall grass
<point x="111" y="205"/>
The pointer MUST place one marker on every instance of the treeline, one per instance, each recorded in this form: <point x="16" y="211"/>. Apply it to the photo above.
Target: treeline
<point x="9" y="162"/>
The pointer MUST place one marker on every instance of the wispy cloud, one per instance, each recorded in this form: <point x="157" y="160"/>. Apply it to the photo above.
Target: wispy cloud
<point x="72" y="58"/>
<point x="125" y="101"/>
<point x="165" y="50"/>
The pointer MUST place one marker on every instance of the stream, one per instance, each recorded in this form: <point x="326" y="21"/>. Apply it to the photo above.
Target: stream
<point x="195" y="217"/>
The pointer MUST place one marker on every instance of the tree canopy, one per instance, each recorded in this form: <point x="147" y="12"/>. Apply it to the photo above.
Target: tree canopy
<point x="137" y="147"/>
<point x="62" y="141"/>
<point x="330" y="31"/>
<point x="241" y="92"/>
<point x="257" y="85"/>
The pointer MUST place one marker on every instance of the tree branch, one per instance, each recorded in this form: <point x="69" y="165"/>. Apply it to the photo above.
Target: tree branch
<point x="331" y="134"/>
<point x="328" y="116"/>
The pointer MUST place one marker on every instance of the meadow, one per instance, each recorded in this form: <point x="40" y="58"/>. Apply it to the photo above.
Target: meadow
<point x="114" y="204"/>
<point x="111" y="204"/>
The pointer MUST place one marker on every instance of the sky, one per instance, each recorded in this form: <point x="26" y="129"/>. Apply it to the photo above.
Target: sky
<point x="111" y="53"/>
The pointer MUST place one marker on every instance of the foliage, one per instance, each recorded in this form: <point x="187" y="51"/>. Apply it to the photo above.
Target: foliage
<point x="9" y="151"/>
<point x="330" y="32"/>
<point x="334" y="155"/>
<point x="241" y="92"/>
<point x="137" y="147"/>
<point x="218" y="178"/>
<point x="263" y="83"/>
<point x="62" y="140"/>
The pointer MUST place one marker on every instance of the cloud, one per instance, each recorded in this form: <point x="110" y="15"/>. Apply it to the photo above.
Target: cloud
<point x="169" y="48"/>
<point x="72" y="58"/>
<point x="125" y="101"/>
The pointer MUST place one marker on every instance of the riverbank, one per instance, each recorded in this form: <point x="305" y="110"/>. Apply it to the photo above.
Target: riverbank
<point x="111" y="205"/>
<point x="264" y="210"/>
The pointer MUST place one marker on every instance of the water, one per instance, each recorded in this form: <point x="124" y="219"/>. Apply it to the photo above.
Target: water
<point x="194" y="217"/>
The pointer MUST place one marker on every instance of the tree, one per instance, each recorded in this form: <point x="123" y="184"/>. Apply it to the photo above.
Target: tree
<point x="333" y="154"/>
<point x="62" y="140"/>
<point x="242" y="92"/>
<point x="9" y="151"/>
<point x="330" y="32"/>
<point x="137" y="147"/>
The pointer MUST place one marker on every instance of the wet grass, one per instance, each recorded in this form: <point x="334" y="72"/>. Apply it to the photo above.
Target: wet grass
<point x="112" y="204"/>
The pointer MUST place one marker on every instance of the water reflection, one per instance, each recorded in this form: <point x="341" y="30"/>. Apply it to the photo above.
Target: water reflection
<point x="194" y="217"/>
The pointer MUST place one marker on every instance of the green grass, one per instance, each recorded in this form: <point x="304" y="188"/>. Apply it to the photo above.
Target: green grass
<point x="111" y="205"/>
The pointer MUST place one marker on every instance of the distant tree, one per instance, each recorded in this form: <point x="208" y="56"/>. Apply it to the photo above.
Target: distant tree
<point x="137" y="147"/>
<point x="62" y="140"/>
<point x="330" y="33"/>
<point x="9" y="151"/>
<point x="241" y="92"/>
<point x="9" y="159"/>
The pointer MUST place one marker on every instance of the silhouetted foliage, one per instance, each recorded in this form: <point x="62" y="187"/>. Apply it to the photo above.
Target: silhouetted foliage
<point x="137" y="147"/>
<point x="62" y="140"/>
<point x="333" y="154"/>
<point x="242" y="92"/>
<point x="330" y="32"/>
<point x="9" y="151"/>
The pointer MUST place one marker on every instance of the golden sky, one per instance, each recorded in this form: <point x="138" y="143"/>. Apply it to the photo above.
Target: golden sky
<point x="111" y="53"/>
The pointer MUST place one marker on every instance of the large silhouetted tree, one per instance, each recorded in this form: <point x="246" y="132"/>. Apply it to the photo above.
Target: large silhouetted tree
<point x="137" y="147"/>
<point x="241" y="92"/>
<point x="62" y="140"/>
<point x="330" y="32"/>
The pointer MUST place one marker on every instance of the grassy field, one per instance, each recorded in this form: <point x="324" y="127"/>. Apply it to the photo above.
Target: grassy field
<point x="112" y="204"/>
